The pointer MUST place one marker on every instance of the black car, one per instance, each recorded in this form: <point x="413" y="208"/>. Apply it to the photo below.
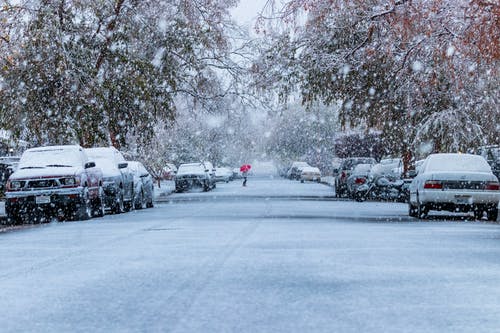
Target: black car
<point x="345" y="170"/>
<point x="193" y="175"/>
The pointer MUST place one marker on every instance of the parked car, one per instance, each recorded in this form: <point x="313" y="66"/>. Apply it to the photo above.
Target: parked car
<point x="143" y="185"/>
<point x="118" y="180"/>
<point x="345" y="171"/>
<point x="223" y="174"/>
<point x="310" y="174"/>
<point x="169" y="171"/>
<point x="192" y="175"/>
<point x="296" y="169"/>
<point x="358" y="177"/>
<point x="8" y="165"/>
<point x="455" y="182"/>
<point x="60" y="181"/>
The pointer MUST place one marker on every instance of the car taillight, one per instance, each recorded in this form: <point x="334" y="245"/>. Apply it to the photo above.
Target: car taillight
<point x="343" y="174"/>
<point x="360" y="181"/>
<point x="492" y="186"/>
<point x="433" y="184"/>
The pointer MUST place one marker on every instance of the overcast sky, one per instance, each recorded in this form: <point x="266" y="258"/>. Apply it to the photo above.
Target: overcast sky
<point x="247" y="11"/>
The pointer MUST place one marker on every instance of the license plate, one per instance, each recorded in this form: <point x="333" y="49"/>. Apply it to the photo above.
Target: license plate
<point x="42" y="199"/>
<point x="463" y="199"/>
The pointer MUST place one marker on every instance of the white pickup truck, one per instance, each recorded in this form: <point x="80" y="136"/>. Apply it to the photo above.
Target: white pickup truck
<point x="54" y="181"/>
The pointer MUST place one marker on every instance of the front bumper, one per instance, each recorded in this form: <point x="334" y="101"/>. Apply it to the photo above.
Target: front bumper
<point x="49" y="202"/>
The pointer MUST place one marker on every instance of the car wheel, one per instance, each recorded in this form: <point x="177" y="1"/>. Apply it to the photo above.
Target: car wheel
<point x="422" y="211"/>
<point x="412" y="210"/>
<point x="119" y="204"/>
<point x="83" y="211"/>
<point x="492" y="214"/>
<point x="206" y="186"/>
<point x="139" y="204"/>
<point x="99" y="207"/>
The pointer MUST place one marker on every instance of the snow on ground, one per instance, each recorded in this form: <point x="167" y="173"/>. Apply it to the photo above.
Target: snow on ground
<point x="260" y="265"/>
<point x="261" y="187"/>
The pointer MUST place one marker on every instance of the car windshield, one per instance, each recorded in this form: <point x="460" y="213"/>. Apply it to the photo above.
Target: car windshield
<point x="51" y="157"/>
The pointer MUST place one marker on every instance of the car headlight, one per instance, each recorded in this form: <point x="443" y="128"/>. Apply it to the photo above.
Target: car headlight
<point x="14" y="185"/>
<point x="70" y="181"/>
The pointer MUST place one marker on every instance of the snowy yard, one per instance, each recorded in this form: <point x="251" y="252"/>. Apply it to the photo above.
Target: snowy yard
<point x="253" y="261"/>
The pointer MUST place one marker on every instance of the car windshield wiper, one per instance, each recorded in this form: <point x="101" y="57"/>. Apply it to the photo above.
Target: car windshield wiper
<point x="58" y="165"/>
<point x="32" y="167"/>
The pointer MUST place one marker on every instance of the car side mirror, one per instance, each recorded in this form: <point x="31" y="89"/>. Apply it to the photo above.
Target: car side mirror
<point x="122" y="165"/>
<point x="89" y="165"/>
<point x="206" y="170"/>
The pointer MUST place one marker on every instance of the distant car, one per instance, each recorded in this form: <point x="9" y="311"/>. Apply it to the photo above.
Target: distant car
<point x="118" y="181"/>
<point x="455" y="182"/>
<point x="223" y="174"/>
<point x="192" y="175"/>
<point x="345" y="170"/>
<point x="358" y="177"/>
<point x="54" y="181"/>
<point x="296" y="169"/>
<point x="143" y="185"/>
<point x="310" y="174"/>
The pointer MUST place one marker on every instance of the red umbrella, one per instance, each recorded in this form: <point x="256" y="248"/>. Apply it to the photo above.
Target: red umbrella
<point x="245" y="167"/>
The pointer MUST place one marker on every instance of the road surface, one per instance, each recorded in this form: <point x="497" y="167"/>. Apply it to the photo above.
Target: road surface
<point x="277" y="256"/>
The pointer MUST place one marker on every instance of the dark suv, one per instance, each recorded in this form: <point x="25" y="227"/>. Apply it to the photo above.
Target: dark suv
<point x="345" y="170"/>
<point x="193" y="175"/>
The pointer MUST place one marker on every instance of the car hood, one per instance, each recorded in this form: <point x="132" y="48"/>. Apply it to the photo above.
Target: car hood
<point x="45" y="172"/>
<point x="460" y="176"/>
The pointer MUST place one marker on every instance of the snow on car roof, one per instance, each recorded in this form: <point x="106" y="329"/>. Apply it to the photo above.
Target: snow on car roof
<point x="190" y="167"/>
<point x="51" y="155"/>
<point x="362" y="168"/>
<point x="310" y="169"/>
<point x="457" y="162"/>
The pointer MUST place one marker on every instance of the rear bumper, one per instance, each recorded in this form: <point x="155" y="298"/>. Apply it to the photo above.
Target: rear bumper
<point x="458" y="200"/>
<point x="459" y="197"/>
<point x="184" y="184"/>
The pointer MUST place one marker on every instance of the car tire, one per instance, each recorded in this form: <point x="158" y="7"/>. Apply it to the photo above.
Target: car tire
<point x="422" y="211"/>
<point x="412" y="210"/>
<point x="492" y="214"/>
<point x="118" y="207"/>
<point x="100" y="209"/>
<point x="83" y="210"/>
<point x="139" y="204"/>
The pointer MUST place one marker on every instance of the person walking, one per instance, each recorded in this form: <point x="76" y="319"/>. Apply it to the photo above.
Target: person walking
<point x="244" y="172"/>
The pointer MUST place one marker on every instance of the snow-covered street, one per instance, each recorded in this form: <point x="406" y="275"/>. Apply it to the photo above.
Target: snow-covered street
<point x="265" y="258"/>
